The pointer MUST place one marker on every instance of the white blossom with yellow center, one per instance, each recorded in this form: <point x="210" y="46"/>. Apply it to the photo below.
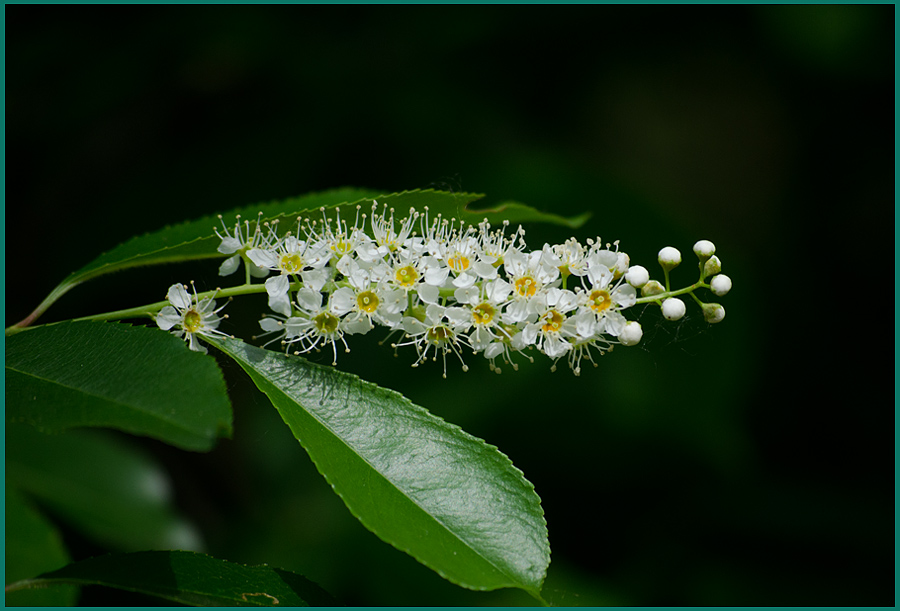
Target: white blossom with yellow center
<point x="189" y="317"/>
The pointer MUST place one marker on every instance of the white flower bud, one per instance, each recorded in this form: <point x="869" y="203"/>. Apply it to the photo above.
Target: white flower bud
<point x="673" y="308"/>
<point x="713" y="312"/>
<point x="712" y="267"/>
<point x="652" y="288"/>
<point x="720" y="285"/>
<point x="669" y="258"/>
<point x="637" y="276"/>
<point x="704" y="249"/>
<point x="632" y="333"/>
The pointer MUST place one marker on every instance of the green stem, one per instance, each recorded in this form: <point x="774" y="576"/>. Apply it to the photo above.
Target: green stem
<point x="662" y="296"/>
<point x="150" y="310"/>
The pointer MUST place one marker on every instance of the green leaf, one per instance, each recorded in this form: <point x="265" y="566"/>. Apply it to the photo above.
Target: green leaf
<point x="105" y="488"/>
<point x="33" y="546"/>
<point x="136" y="379"/>
<point x="453" y="502"/>
<point x="191" y="579"/>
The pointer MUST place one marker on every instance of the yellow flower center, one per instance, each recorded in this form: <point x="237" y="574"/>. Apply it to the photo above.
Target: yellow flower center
<point x="192" y="321"/>
<point x="292" y="263"/>
<point x="553" y="321"/>
<point x="326" y="323"/>
<point x="526" y="286"/>
<point x="458" y="263"/>
<point x="367" y="301"/>
<point x="406" y="276"/>
<point x="483" y="313"/>
<point x="439" y="334"/>
<point x="342" y="247"/>
<point x="599" y="300"/>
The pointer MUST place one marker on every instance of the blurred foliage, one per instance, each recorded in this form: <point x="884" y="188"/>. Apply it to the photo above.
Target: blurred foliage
<point x="750" y="463"/>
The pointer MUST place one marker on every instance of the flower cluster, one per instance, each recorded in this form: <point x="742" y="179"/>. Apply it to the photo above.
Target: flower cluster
<point x="443" y="286"/>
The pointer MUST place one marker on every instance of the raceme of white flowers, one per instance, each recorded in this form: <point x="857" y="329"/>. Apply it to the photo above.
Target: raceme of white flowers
<point x="442" y="287"/>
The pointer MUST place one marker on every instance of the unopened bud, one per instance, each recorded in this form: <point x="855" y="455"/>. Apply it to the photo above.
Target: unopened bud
<point x="720" y="285"/>
<point x="713" y="312"/>
<point x="669" y="258"/>
<point x="652" y="288"/>
<point x="673" y="308"/>
<point x="632" y="333"/>
<point x="637" y="276"/>
<point x="704" y="249"/>
<point x="712" y="267"/>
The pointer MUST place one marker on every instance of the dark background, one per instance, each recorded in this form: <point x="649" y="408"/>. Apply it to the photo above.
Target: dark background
<point x="747" y="463"/>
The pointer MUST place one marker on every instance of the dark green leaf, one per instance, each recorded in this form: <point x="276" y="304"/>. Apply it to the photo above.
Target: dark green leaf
<point x="33" y="546"/>
<point x="191" y="579"/>
<point x="450" y="500"/>
<point x="105" y="488"/>
<point x="139" y="380"/>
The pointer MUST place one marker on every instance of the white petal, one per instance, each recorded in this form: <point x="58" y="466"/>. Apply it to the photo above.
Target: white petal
<point x="309" y="300"/>
<point x="342" y="301"/>
<point x="167" y="318"/>
<point x="258" y="272"/>
<point x="229" y="245"/>
<point x="625" y="296"/>
<point x="517" y="311"/>
<point x="493" y="350"/>
<point x="360" y="326"/>
<point x="179" y="297"/>
<point x="436" y="276"/>
<point x="428" y="293"/>
<point x="314" y="279"/>
<point x="263" y="258"/>
<point x="529" y="335"/>
<point x="278" y="285"/>
<point x="498" y="290"/>
<point x="229" y="265"/>
<point x="459" y="317"/>
<point x="485" y="270"/>
<point x="195" y="345"/>
<point x="270" y="324"/>
<point x="280" y="304"/>
<point x="467" y="295"/>
<point x="465" y="281"/>
<point x="614" y="323"/>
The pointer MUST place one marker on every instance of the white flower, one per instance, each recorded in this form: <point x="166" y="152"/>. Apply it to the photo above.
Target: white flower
<point x="341" y="240"/>
<point x="188" y="317"/>
<point x="551" y="332"/>
<point x="318" y="324"/>
<point x="605" y="301"/>
<point x="289" y="256"/>
<point x="387" y="238"/>
<point x="366" y="300"/>
<point x="484" y="310"/>
<point x="238" y="245"/>
<point x="433" y="332"/>
<point x="528" y="274"/>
